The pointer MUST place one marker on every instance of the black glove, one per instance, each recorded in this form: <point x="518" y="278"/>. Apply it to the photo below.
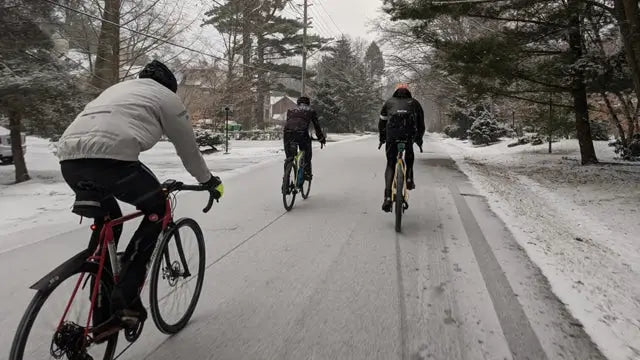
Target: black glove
<point x="419" y="143"/>
<point x="214" y="185"/>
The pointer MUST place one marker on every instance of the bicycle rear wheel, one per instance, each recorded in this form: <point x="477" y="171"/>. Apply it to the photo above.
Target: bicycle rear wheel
<point x="177" y="274"/>
<point x="399" y="201"/>
<point x="38" y="336"/>
<point x="289" y="186"/>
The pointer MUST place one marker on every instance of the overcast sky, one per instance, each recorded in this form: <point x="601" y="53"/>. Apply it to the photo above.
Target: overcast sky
<point x="351" y="16"/>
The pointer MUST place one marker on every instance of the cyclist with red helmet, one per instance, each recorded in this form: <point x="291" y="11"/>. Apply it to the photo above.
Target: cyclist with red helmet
<point x="401" y="119"/>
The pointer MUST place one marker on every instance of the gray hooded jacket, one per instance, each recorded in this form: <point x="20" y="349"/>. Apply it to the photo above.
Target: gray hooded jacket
<point x="129" y="118"/>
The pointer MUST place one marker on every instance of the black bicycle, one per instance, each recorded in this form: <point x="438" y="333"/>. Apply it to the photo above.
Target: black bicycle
<point x="65" y="319"/>
<point x="294" y="179"/>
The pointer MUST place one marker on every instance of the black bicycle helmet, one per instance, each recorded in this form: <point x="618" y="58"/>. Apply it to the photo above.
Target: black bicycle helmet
<point x="304" y="100"/>
<point x="159" y="72"/>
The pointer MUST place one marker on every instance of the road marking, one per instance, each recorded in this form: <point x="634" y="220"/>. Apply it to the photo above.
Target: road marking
<point x="401" y="301"/>
<point x="522" y="340"/>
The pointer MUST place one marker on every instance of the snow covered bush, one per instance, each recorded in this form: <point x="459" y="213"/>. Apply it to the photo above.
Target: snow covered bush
<point x="521" y="141"/>
<point x="485" y="130"/>
<point x="453" y="131"/>
<point x="599" y="131"/>
<point x="207" y="138"/>
<point x="630" y="152"/>
<point x="536" y="140"/>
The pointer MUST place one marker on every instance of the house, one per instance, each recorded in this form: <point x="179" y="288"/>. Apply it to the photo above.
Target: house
<point x="279" y="105"/>
<point x="201" y="91"/>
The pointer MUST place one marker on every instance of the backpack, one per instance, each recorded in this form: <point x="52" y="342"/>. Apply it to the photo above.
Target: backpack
<point x="402" y="120"/>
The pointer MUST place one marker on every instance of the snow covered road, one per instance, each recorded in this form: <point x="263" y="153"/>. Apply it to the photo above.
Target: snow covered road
<point x="332" y="279"/>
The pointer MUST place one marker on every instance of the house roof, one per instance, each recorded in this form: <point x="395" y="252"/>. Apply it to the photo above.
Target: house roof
<point x="4" y="131"/>
<point x="275" y="99"/>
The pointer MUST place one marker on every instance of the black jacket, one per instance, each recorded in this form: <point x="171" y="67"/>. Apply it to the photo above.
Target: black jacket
<point x="400" y="104"/>
<point x="300" y="118"/>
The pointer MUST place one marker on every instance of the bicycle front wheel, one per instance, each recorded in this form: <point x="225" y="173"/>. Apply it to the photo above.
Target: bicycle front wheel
<point x="177" y="274"/>
<point x="399" y="203"/>
<point x="39" y="335"/>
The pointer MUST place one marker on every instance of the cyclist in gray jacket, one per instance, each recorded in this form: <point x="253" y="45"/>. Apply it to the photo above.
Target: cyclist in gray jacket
<point x="98" y="156"/>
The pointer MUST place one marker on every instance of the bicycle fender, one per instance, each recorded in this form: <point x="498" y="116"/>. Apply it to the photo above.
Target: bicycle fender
<point x="50" y="280"/>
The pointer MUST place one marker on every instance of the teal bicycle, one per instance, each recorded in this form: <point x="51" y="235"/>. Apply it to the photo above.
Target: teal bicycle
<point x="294" y="180"/>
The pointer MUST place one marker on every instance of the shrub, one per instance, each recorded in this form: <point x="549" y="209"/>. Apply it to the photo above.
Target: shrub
<point x="536" y="140"/>
<point x="630" y="152"/>
<point x="452" y="131"/>
<point x="485" y="130"/>
<point x="521" y="141"/>
<point x="599" y="131"/>
<point x="207" y="138"/>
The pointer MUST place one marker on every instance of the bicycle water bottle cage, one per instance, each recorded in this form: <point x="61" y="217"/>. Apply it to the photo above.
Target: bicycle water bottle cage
<point x="401" y="146"/>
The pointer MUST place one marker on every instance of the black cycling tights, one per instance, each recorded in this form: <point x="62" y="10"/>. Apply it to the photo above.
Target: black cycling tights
<point x="392" y="157"/>
<point x="133" y="183"/>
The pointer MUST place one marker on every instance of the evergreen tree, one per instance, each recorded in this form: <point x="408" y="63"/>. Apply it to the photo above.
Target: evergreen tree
<point x="374" y="60"/>
<point x="353" y="91"/>
<point x="32" y="80"/>
<point x="535" y="48"/>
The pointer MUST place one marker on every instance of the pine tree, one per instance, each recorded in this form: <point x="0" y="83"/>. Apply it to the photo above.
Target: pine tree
<point x="534" y="49"/>
<point x="354" y="92"/>
<point x="374" y="60"/>
<point x="31" y="78"/>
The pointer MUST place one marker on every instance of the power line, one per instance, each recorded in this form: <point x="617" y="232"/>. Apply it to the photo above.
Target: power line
<point x="321" y="24"/>
<point x="330" y="17"/>
<point x="163" y="40"/>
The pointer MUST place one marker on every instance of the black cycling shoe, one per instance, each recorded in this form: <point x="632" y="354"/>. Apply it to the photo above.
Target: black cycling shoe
<point x="308" y="176"/>
<point x="410" y="184"/>
<point x="387" y="204"/>
<point x="131" y="320"/>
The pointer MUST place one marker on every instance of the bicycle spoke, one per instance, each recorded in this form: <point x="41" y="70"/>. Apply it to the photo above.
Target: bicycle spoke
<point x="38" y="345"/>
<point x="175" y="292"/>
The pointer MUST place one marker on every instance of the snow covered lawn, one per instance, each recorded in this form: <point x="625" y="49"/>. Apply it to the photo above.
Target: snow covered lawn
<point x="580" y="225"/>
<point x="40" y="208"/>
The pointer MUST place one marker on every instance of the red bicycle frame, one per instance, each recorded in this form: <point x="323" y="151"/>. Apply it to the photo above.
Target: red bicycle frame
<point x="105" y="243"/>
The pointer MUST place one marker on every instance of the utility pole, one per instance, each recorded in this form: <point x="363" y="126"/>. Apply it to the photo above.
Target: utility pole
<point x="304" y="46"/>
<point x="550" y="125"/>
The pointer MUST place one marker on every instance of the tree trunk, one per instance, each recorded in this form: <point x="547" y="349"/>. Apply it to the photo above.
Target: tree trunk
<point x="614" y="118"/>
<point x="263" y="87"/>
<point x="579" y="88"/>
<point x="15" y="122"/>
<point x="246" y="108"/>
<point x="107" y="67"/>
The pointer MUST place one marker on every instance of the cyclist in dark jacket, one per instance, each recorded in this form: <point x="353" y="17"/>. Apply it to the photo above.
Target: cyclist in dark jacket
<point x="296" y="131"/>
<point x="401" y="119"/>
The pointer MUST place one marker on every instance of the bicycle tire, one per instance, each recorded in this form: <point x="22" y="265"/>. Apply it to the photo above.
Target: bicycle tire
<point x="287" y="187"/>
<point x="154" y="301"/>
<point x="305" y="194"/>
<point x="399" y="203"/>
<point x="30" y="315"/>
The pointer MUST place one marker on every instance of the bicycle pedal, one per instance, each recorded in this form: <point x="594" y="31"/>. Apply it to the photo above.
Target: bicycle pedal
<point x="131" y="334"/>
<point x="405" y="206"/>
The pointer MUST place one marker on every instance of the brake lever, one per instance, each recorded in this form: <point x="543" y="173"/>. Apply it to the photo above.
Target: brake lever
<point x="209" y="204"/>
